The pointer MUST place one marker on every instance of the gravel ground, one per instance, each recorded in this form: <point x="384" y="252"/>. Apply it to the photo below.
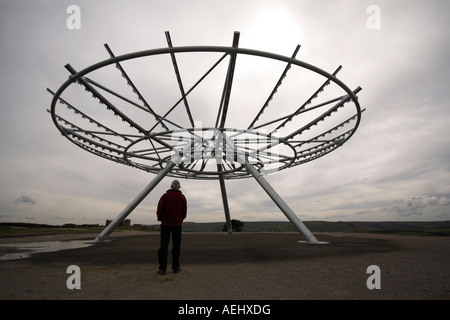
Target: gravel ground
<point x="242" y="266"/>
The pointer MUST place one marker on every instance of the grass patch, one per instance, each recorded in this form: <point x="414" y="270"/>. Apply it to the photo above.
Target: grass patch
<point x="31" y="229"/>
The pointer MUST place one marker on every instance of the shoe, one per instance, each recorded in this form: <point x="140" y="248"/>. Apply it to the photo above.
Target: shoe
<point x="161" y="272"/>
<point x="176" y="270"/>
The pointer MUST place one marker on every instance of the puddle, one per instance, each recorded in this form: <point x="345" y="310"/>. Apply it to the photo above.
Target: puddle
<point x="25" y="250"/>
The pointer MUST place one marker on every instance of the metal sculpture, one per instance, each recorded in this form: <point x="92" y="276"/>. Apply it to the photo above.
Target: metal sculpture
<point x="169" y="141"/>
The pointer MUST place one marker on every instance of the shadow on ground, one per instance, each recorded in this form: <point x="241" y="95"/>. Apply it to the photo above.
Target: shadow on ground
<point x="218" y="249"/>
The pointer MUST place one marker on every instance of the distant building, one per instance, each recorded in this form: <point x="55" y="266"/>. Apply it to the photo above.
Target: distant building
<point x="69" y="225"/>
<point x="125" y="223"/>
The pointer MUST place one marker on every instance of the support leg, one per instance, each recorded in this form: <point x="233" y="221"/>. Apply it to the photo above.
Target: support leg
<point x="225" y="200"/>
<point x="107" y="231"/>
<point x="298" y="224"/>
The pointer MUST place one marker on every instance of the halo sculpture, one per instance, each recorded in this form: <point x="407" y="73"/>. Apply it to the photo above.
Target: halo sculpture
<point x="166" y="137"/>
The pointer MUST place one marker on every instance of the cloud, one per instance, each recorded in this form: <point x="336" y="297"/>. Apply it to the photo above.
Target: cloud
<point x="419" y="205"/>
<point x="25" y="199"/>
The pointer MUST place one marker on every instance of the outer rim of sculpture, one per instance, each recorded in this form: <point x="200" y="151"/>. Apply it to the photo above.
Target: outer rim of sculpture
<point x="194" y="49"/>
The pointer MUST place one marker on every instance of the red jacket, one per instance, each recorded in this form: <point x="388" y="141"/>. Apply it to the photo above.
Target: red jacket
<point x="172" y="208"/>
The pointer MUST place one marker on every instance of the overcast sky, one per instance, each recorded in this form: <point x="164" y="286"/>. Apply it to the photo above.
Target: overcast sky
<point x="395" y="167"/>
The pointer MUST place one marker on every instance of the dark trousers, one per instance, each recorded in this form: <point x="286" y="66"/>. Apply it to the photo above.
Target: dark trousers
<point x="164" y="247"/>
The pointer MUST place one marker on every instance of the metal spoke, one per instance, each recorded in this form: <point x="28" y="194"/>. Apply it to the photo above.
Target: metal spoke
<point x="164" y="118"/>
<point x="108" y="131"/>
<point x="103" y="100"/>
<point x="98" y="85"/>
<point x="301" y="109"/>
<point x="345" y="99"/>
<point x="278" y="84"/>
<point x="135" y="90"/>
<point x="180" y="83"/>
<point x="225" y="100"/>
<point x="322" y="135"/>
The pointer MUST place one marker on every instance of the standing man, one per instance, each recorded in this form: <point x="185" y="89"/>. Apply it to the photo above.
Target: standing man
<point x="172" y="209"/>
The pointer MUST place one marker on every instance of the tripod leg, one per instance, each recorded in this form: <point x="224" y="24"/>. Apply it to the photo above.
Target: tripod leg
<point x="107" y="231"/>
<point x="225" y="200"/>
<point x="298" y="224"/>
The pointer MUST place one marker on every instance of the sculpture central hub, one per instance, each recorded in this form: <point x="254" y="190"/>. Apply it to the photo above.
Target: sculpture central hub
<point x="209" y="153"/>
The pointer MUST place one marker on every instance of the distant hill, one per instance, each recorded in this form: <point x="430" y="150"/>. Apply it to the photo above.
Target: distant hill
<point x="431" y="228"/>
<point x="435" y="228"/>
<point x="428" y="228"/>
